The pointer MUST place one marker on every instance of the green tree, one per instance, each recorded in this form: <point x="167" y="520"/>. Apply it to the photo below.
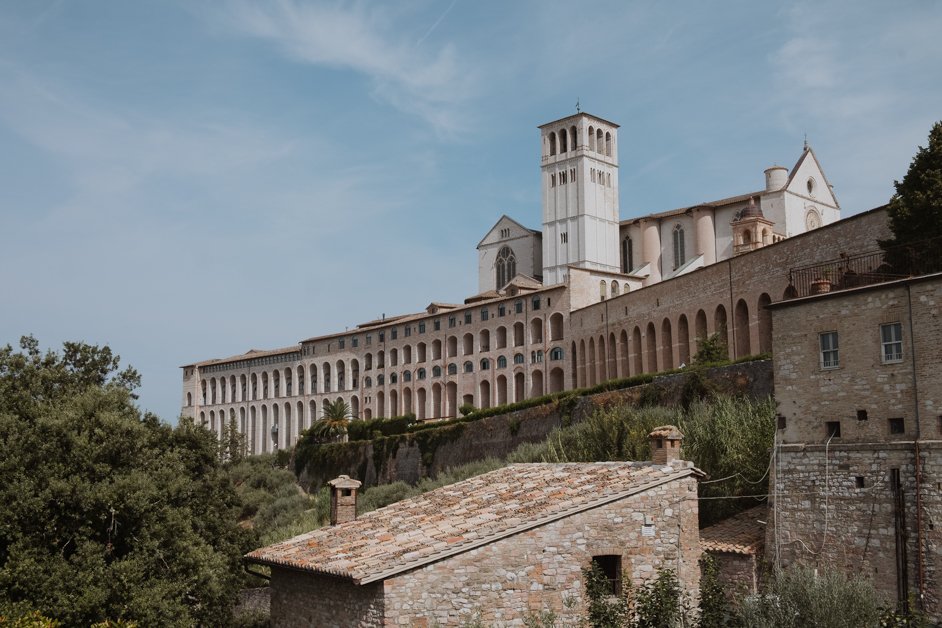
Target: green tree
<point x="333" y="425"/>
<point x="108" y="514"/>
<point x="915" y="211"/>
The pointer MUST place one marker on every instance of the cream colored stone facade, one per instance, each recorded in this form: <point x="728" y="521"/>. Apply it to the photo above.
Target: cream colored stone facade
<point x="573" y="313"/>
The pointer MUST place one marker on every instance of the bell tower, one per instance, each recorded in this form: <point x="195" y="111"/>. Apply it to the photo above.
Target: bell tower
<point x="580" y="195"/>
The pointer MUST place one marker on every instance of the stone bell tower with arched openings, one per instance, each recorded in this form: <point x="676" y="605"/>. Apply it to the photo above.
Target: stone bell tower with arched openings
<point x="580" y="195"/>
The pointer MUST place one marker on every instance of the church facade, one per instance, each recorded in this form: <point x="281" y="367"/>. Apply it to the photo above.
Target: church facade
<point x="588" y="297"/>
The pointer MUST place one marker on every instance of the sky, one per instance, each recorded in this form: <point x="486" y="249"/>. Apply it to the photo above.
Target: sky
<point x="184" y="180"/>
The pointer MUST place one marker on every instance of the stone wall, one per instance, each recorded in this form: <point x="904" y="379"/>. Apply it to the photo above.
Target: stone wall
<point x="410" y="458"/>
<point x="738" y="573"/>
<point x="305" y="599"/>
<point x="835" y="498"/>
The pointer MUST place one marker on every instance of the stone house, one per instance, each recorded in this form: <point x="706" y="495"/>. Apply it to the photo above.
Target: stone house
<point x="737" y="546"/>
<point x="858" y="464"/>
<point x="496" y="547"/>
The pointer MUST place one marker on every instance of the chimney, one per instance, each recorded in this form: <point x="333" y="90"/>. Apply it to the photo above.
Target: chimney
<point x="665" y="444"/>
<point x="343" y="499"/>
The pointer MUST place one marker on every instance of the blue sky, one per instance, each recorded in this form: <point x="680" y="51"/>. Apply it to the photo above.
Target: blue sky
<point x="186" y="180"/>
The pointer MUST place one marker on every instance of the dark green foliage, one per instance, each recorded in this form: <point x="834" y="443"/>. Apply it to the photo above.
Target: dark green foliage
<point x="715" y="611"/>
<point x="915" y="212"/>
<point x="107" y="512"/>
<point x="799" y="597"/>
<point x="660" y="603"/>
<point x="366" y="429"/>
<point x="604" y="610"/>
<point x="513" y="425"/>
<point x="466" y="408"/>
<point x="430" y="440"/>
<point x="711" y="350"/>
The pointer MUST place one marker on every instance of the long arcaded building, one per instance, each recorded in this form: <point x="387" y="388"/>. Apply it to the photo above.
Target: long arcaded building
<point x="589" y="297"/>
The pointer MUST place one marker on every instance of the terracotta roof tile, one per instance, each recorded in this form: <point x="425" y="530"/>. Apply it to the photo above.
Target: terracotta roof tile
<point x="740" y="534"/>
<point x="462" y="516"/>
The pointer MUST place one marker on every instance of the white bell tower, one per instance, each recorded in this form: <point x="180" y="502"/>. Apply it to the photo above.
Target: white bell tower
<point x="580" y="196"/>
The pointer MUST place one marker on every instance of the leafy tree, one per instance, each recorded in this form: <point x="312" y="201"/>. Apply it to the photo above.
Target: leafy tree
<point x="108" y="514"/>
<point x="711" y="350"/>
<point x="915" y="211"/>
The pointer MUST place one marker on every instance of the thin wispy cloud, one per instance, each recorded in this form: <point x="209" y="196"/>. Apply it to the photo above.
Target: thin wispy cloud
<point x="365" y="39"/>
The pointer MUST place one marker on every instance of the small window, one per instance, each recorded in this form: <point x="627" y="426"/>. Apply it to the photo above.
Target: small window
<point x="891" y="340"/>
<point x="369" y="339"/>
<point x="452" y="369"/>
<point x="859" y="481"/>
<point x="897" y="426"/>
<point x="354" y="342"/>
<point x="380" y="380"/>
<point x="610" y="566"/>
<point x="468" y="367"/>
<point x="421" y="328"/>
<point x="393" y="378"/>
<point x="862" y="415"/>
<point x="382" y="336"/>
<point x="832" y="429"/>
<point x="485" y="364"/>
<point x="436" y="371"/>
<point x="484" y="314"/>
<point x="536" y="303"/>
<point x="407" y="331"/>
<point x="501" y="362"/>
<point x="406" y="376"/>
<point x="467" y="318"/>
<point x="393" y="334"/>
<point x="341" y="343"/>
<point x="781" y="421"/>
<point x="829" y="350"/>
<point x="518" y="307"/>
<point x="502" y="310"/>
<point x="452" y="321"/>
<point x="420" y="374"/>
<point x="556" y="353"/>
<point x="519" y="359"/>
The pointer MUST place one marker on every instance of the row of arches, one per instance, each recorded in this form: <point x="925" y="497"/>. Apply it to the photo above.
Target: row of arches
<point x="256" y="422"/>
<point x="564" y="140"/>
<point x="667" y="344"/>
<point x="280" y="383"/>
<point x="440" y="400"/>
<point x="468" y="366"/>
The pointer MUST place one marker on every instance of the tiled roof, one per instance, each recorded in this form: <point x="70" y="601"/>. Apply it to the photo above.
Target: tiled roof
<point x="739" y="198"/>
<point x="248" y="355"/>
<point x="459" y="517"/>
<point x="740" y="534"/>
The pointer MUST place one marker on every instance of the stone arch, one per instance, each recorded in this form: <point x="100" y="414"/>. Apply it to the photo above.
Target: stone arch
<point x="651" y="353"/>
<point x="452" y="346"/>
<point x="623" y="348"/>
<point x="355" y="406"/>
<point x="612" y="356"/>
<point x="518" y="334"/>
<point x="289" y="425"/>
<point x="484" y="394"/>
<point x="602" y="360"/>
<point x="420" y="397"/>
<point x="637" y="352"/>
<point x="467" y="344"/>
<point x="683" y="339"/>
<point x="394" y="357"/>
<point x="519" y="386"/>
<point x="451" y="399"/>
<point x="590" y="364"/>
<point x="556" y="326"/>
<point x="790" y="292"/>
<point x="420" y="352"/>
<point x="342" y="375"/>
<point x="436" y="401"/>
<point x="536" y="331"/>
<point x="302" y="424"/>
<point x="608" y="144"/>
<point x="325" y="370"/>
<point x="394" y="402"/>
<point x="436" y="349"/>
<point x="253" y="430"/>
<point x="563" y="141"/>
<point x="536" y="383"/>
<point x="407" y="401"/>
<point x="501" y="337"/>
<point x="484" y="340"/>
<point x="700" y="325"/>
<point x="556" y="380"/>
<point x="242" y="425"/>
<point x="552" y="143"/>
<point x="667" y="345"/>
<point x="276" y="424"/>
<point x="380" y="404"/>
<point x="312" y="412"/>
<point x="265" y="431"/>
<point x="741" y="325"/>
<point x="765" y="323"/>
<point x="719" y="325"/>
<point x="574" y="365"/>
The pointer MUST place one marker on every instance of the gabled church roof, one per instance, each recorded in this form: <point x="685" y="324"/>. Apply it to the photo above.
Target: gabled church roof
<point x="804" y="155"/>
<point x="507" y="218"/>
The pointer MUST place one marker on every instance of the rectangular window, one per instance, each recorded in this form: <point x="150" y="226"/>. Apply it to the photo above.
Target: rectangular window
<point x="408" y="331"/>
<point x="502" y="310"/>
<point x="536" y="303"/>
<point x="832" y="429"/>
<point x="452" y="321"/>
<point x="342" y="343"/>
<point x="829" y="355"/>
<point x="369" y="339"/>
<point x="382" y="336"/>
<point x="437" y="325"/>
<point x="781" y="421"/>
<point x="354" y="342"/>
<point x="467" y="318"/>
<point x="610" y="567"/>
<point x="518" y="307"/>
<point x="897" y="426"/>
<point x="394" y="333"/>
<point x="484" y="314"/>
<point x="421" y="328"/>
<point x="891" y="339"/>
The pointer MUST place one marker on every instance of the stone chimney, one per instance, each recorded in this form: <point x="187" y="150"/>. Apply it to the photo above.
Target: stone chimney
<point x="343" y="499"/>
<point x="665" y="444"/>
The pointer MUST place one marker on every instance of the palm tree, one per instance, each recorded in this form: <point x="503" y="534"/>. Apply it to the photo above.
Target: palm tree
<point x="333" y="425"/>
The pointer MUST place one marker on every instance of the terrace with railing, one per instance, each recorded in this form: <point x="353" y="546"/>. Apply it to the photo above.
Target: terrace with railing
<point x="864" y="269"/>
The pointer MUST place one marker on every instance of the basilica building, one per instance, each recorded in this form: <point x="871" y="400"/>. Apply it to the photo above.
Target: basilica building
<point x="588" y="297"/>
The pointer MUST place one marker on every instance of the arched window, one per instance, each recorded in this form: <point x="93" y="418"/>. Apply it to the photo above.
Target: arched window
<point x="469" y="367"/>
<point x="189" y="399"/>
<point x="407" y="376"/>
<point x="421" y="373"/>
<point x="506" y="266"/>
<point x="380" y="380"/>
<point x="556" y="353"/>
<point x="436" y="371"/>
<point x="627" y="255"/>
<point x="680" y="255"/>
<point x="368" y="382"/>
<point x="603" y="290"/>
<point x="591" y="138"/>
<point x="552" y="140"/>
<point x="519" y="359"/>
<point x="452" y="369"/>
<point x="572" y="137"/>
<point x="501" y="362"/>
<point x="614" y="288"/>
<point x="599" y="141"/>
<point x="563" y="144"/>
<point x="608" y="144"/>
<point x="485" y="364"/>
<point x="393" y="378"/>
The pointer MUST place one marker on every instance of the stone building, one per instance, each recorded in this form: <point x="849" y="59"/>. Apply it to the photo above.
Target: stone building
<point x="737" y="546"/>
<point x="587" y="298"/>
<point x="857" y="479"/>
<point x="495" y="547"/>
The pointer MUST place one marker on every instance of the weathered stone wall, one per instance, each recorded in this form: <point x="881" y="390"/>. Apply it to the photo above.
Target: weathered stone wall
<point x="834" y="499"/>
<point x="500" y="583"/>
<point x="738" y="573"/>
<point x="410" y="458"/>
<point x="305" y="599"/>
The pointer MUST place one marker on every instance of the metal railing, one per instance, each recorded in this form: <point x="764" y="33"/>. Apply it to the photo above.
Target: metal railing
<point x="873" y="267"/>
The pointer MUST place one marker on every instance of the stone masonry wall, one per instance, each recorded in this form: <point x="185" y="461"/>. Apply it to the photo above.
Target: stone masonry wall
<point x="502" y="582"/>
<point x="834" y="502"/>
<point x="304" y="599"/>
